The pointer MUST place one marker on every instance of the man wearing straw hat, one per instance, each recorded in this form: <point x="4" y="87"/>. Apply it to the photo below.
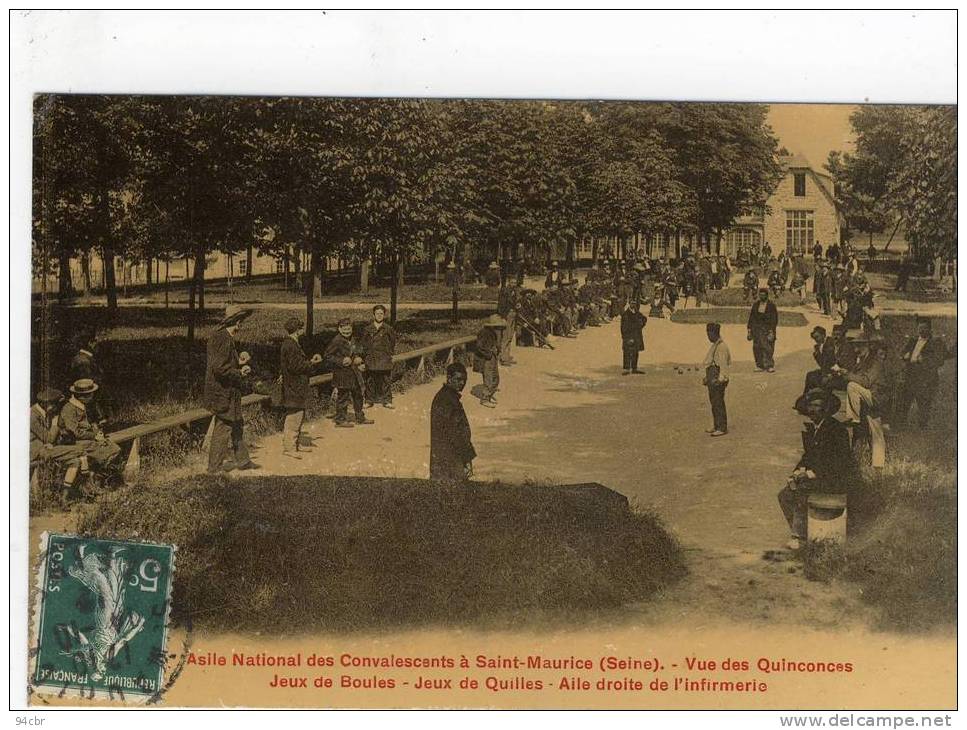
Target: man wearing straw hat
<point x="225" y="373"/>
<point x="77" y="429"/>
<point x="826" y="466"/>
<point x="485" y="359"/>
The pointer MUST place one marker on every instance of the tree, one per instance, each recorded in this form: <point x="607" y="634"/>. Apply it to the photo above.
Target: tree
<point x="726" y="155"/>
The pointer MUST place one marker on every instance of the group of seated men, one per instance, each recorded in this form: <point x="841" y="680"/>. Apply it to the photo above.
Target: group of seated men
<point x="858" y="368"/>
<point x="65" y="437"/>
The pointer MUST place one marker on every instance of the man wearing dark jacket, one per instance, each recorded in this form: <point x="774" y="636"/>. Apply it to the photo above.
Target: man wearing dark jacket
<point x="451" y="451"/>
<point x="379" y="342"/>
<point x="632" y="337"/>
<point x="344" y="356"/>
<point x="824" y="353"/>
<point x="763" y="320"/>
<point x="294" y="368"/>
<point x="923" y="355"/>
<point x="826" y="467"/>
<point x="225" y="373"/>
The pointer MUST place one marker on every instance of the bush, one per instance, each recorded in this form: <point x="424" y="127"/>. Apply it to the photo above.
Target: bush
<point x="282" y="554"/>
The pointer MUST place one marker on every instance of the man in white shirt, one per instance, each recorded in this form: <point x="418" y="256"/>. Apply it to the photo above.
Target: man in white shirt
<point x="717" y="363"/>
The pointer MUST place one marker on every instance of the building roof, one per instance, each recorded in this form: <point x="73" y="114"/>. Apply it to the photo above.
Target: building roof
<point x="796" y="161"/>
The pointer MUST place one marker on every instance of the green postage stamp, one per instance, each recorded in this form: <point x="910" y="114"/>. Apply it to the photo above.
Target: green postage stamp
<point x="101" y="617"/>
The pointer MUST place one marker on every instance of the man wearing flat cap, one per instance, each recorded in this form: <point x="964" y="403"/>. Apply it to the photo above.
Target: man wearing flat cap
<point x="294" y="368"/>
<point x="225" y="374"/>
<point x="826" y="467"/>
<point x="44" y="432"/>
<point x="345" y="357"/>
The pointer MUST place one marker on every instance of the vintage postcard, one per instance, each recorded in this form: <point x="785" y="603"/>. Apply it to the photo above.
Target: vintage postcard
<point x="394" y="399"/>
<point x="504" y="404"/>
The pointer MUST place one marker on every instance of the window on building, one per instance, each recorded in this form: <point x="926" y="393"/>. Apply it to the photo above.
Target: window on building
<point x="280" y="265"/>
<point x="243" y="267"/>
<point x="738" y="239"/>
<point x="799" y="231"/>
<point x="799" y="184"/>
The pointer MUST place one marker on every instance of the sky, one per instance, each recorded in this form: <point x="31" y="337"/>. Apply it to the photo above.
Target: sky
<point x="813" y="130"/>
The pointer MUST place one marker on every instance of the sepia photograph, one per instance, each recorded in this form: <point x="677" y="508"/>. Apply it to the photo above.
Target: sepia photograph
<point x="653" y="403"/>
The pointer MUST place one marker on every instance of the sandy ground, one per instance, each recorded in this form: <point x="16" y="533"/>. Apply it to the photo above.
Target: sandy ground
<point x="570" y="416"/>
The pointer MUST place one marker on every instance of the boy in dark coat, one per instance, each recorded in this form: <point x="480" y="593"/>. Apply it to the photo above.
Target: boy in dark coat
<point x="294" y="368"/>
<point x="451" y="451"/>
<point x="632" y="337"/>
<point x="225" y="373"/>
<point x="379" y="342"/>
<point x="763" y="320"/>
<point x="344" y="356"/>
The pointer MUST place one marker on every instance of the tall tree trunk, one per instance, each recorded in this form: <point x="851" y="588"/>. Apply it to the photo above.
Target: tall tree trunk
<point x="65" y="284"/>
<point x="148" y="273"/>
<point x="167" y="277"/>
<point x="200" y="276"/>
<point x="86" y="272"/>
<point x="394" y="287"/>
<point x="248" y="262"/>
<point x="311" y="289"/>
<point x="110" y="283"/>
<point x="594" y="249"/>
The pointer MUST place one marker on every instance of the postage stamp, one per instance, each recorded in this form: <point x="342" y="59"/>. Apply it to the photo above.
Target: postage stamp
<point x="101" y="617"/>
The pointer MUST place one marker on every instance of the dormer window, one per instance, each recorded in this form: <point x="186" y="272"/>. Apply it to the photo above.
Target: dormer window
<point x="799" y="184"/>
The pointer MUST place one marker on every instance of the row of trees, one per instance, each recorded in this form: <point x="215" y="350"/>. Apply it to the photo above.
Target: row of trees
<point x="181" y="177"/>
<point x="902" y="173"/>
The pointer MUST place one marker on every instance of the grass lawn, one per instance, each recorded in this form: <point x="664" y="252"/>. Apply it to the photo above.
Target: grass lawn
<point x="149" y="369"/>
<point x="286" y="554"/>
<point x="731" y="316"/>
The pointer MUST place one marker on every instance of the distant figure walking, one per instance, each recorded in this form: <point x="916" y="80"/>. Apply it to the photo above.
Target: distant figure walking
<point x="763" y="321"/>
<point x="717" y="363"/>
<point x="451" y="450"/>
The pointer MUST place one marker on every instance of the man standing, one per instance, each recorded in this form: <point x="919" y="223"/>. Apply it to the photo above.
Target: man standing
<point x="822" y="288"/>
<point x="344" y="356"/>
<point x="817" y="253"/>
<point x="763" y="320"/>
<point x="924" y="355"/>
<point x="379" y="343"/>
<point x="717" y="362"/>
<point x="871" y="255"/>
<point x="507" y="305"/>
<point x="451" y="451"/>
<point x="632" y="339"/>
<point x="750" y="283"/>
<point x="485" y="360"/>
<point x="826" y="466"/>
<point x="225" y="373"/>
<point x="294" y="367"/>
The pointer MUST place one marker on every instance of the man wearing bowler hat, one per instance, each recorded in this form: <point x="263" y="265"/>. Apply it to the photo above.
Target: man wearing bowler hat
<point x="225" y="374"/>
